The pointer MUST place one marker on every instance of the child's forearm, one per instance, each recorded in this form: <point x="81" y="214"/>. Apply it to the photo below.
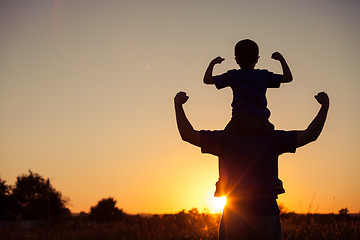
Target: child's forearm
<point x="287" y="76"/>
<point x="208" y="77"/>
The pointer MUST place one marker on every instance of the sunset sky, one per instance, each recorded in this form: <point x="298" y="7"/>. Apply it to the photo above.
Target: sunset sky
<point x="87" y="87"/>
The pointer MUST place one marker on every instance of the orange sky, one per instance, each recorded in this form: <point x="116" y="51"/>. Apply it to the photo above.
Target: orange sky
<point x="87" y="90"/>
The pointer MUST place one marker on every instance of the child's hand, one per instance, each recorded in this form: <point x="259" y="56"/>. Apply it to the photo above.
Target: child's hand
<point x="322" y="98"/>
<point x="217" y="60"/>
<point x="180" y="98"/>
<point x="277" y="56"/>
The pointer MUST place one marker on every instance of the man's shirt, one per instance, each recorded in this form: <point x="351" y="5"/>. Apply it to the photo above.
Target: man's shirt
<point x="249" y="164"/>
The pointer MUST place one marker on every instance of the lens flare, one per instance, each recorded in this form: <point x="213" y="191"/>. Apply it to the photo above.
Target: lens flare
<point x="218" y="204"/>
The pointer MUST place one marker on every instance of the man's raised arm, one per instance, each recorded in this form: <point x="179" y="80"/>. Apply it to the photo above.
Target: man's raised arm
<point x="313" y="131"/>
<point x="186" y="130"/>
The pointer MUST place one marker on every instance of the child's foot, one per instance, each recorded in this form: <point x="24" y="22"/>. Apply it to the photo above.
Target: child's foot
<point x="219" y="191"/>
<point x="279" y="187"/>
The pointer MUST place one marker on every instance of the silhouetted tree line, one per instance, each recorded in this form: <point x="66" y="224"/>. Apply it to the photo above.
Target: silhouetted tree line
<point x="31" y="198"/>
<point x="34" y="198"/>
<point x="106" y="211"/>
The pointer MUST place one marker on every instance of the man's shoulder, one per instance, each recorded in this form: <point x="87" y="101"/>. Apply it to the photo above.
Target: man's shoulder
<point x="213" y="141"/>
<point x="210" y="141"/>
<point x="284" y="132"/>
<point x="212" y="132"/>
<point x="286" y="141"/>
<point x="272" y="134"/>
<point x="218" y="136"/>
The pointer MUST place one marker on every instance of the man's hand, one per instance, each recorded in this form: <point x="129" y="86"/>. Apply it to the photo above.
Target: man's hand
<point x="217" y="60"/>
<point x="312" y="132"/>
<point x="277" y="56"/>
<point x="322" y="98"/>
<point x="180" y="98"/>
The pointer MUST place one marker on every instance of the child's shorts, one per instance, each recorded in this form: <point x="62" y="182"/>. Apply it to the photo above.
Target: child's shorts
<point x="242" y="123"/>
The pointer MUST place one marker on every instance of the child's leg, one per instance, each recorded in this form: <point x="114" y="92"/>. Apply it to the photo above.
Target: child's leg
<point x="279" y="187"/>
<point x="261" y="125"/>
<point x="220" y="186"/>
<point x="251" y="124"/>
<point x="240" y="124"/>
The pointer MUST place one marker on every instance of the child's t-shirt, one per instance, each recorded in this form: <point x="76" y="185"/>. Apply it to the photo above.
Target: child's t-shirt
<point x="249" y="89"/>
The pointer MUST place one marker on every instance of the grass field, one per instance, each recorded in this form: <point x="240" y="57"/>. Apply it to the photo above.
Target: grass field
<point x="184" y="225"/>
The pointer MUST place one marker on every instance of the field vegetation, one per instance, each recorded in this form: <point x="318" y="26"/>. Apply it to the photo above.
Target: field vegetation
<point x="183" y="225"/>
<point x="33" y="210"/>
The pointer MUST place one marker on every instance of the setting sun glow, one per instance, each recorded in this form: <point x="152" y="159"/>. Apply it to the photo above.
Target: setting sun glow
<point x="87" y="98"/>
<point x="218" y="204"/>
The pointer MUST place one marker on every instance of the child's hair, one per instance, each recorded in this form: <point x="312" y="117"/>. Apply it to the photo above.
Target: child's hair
<point x="246" y="52"/>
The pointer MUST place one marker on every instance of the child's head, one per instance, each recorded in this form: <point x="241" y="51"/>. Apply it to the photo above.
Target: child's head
<point x="246" y="53"/>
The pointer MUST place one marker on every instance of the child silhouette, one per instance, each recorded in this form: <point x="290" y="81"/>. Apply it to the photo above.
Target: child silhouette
<point x="250" y="114"/>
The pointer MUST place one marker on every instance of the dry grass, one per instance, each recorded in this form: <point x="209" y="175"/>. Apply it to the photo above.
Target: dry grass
<point x="186" y="225"/>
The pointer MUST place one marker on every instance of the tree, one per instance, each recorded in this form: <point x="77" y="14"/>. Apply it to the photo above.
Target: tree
<point x="8" y="207"/>
<point x="37" y="199"/>
<point x="106" y="211"/>
<point x="4" y="189"/>
<point x="343" y="212"/>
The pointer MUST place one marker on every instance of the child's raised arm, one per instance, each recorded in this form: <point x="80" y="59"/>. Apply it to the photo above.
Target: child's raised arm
<point x="208" y="76"/>
<point x="287" y="76"/>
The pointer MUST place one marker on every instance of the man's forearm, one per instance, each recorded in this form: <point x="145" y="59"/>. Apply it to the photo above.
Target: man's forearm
<point x="208" y="77"/>
<point x="317" y="125"/>
<point x="287" y="76"/>
<point x="314" y="129"/>
<point x="183" y="123"/>
<point x="185" y="128"/>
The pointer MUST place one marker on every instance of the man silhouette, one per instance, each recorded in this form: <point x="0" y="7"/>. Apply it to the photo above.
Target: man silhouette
<point x="249" y="170"/>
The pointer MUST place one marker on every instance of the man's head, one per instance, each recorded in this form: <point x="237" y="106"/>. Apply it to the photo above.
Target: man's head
<point x="246" y="53"/>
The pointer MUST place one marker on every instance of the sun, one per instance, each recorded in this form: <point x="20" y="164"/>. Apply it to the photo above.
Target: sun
<point x="218" y="204"/>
